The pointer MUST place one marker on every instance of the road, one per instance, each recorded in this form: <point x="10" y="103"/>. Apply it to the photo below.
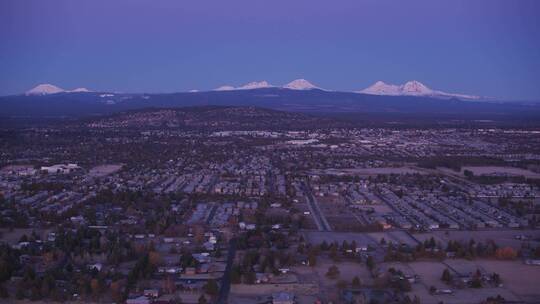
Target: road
<point x="211" y="214"/>
<point x="226" y="279"/>
<point x="320" y="220"/>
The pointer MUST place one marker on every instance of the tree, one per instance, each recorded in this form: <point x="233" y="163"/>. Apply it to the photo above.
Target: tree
<point x="168" y="285"/>
<point x="476" y="282"/>
<point x="116" y="292"/>
<point x="96" y="288"/>
<point x="370" y="263"/>
<point x="356" y="282"/>
<point x="202" y="300"/>
<point x="344" y="245"/>
<point x="312" y="259"/>
<point x="236" y="276"/>
<point x="154" y="258"/>
<point x="20" y="294"/>
<point x="3" y="292"/>
<point x="324" y="246"/>
<point x="446" y="276"/>
<point x="505" y="253"/>
<point x="211" y="288"/>
<point x="333" y="272"/>
<point x="334" y="254"/>
<point x="250" y="277"/>
<point x="404" y="285"/>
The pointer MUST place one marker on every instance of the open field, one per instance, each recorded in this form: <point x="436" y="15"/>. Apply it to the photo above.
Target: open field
<point x="328" y="290"/>
<point x="517" y="277"/>
<point x="430" y="275"/>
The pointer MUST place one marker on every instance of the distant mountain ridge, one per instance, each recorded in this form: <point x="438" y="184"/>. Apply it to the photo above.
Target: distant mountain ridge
<point x="80" y="104"/>
<point x="410" y="88"/>
<point x="297" y="84"/>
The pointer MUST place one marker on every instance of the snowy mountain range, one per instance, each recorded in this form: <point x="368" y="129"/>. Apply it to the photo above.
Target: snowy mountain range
<point x="46" y="89"/>
<point x="297" y="84"/>
<point x="412" y="98"/>
<point x="410" y="88"/>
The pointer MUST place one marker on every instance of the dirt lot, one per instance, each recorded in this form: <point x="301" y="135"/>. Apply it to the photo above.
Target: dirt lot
<point x="519" y="280"/>
<point x="430" y="274"/>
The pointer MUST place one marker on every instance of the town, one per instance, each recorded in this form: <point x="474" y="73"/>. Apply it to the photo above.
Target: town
<point x="247" y="205"/>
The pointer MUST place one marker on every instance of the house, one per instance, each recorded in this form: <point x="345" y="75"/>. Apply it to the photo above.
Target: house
<point x="284" y="270"/>
<point x="170" y="269"/>
<point x="61" y="168"/>
<point x="96" y="266"/>
<point x="190" y="271"/>
<point x="151" y="293"/>
<point x="361" y="249"/>
<point x="262" y="278"/>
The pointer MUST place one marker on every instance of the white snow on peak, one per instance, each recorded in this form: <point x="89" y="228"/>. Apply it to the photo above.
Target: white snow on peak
<point x="44" y="89"/>
<point x="225" y="88"/>
<point x="410" y="88"/>
<point x="300" y="84"/>
<point x="255" y="85"/>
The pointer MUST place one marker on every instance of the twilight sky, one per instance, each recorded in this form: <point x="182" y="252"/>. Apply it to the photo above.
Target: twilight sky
<point x="482" y="47"/>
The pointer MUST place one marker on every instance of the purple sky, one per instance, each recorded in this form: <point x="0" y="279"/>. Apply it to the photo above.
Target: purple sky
<point x="483" y="47"/>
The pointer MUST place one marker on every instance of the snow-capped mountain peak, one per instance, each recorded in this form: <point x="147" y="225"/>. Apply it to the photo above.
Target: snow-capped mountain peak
<point x="80" y="90"/>
<point x="382" y="88"/>
<point x="300" y="84"/>
<point x="44" y="89"/>
<point x="255" y="85"/>
<point x="410" y="88"/>
<point x="415" y="88"/>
